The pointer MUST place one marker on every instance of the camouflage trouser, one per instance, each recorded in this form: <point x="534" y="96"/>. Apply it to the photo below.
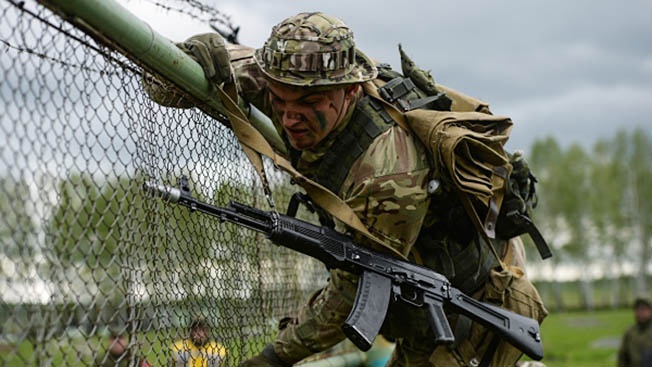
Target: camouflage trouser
<point x="318" y="326"/>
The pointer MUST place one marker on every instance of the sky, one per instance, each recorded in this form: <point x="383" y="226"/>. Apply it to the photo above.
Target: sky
<point x="577" y="71"/>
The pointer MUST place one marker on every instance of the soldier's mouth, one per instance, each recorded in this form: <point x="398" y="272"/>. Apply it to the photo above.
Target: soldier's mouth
<point x="297" y="133"/>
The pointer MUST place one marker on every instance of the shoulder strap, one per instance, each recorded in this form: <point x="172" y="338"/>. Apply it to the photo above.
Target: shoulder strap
<point x="368" y="121"/>
<point x="371" y="90"/>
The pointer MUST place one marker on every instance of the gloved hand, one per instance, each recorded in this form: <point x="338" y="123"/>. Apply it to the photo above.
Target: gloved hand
<point x="209" y="50"/>
<point x="266" y="358"/>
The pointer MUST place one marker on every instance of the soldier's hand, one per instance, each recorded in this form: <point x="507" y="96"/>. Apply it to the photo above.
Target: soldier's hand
<point x="209" y="50"/>
<point x="266" y="358"/>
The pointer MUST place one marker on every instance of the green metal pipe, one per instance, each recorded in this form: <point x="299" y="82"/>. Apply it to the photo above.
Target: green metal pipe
<point x="115" y="25"/>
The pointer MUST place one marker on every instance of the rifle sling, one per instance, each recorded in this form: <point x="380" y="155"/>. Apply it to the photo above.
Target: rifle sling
<point x="490" y="352"/>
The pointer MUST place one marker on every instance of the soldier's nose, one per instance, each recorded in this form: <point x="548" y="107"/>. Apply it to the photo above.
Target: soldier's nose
<point x="292" y="118"/>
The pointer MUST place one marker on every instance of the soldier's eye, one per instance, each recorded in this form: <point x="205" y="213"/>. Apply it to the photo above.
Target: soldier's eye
<point x="311" y="101"/>
<point x="277" y="102"/>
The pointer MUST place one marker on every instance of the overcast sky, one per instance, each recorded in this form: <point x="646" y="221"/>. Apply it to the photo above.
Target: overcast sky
<point x="574" y="70"/>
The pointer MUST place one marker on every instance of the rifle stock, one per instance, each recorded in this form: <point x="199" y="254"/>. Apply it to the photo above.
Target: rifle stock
<point x="382" y="277"/>
<point x="520" y="331"/>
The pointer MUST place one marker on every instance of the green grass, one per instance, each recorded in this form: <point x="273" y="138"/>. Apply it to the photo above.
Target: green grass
<point x="577" y="339"/>
<point x="584" y="339"/>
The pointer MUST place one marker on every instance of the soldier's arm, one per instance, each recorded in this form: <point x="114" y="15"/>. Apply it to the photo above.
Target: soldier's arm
<point x="218" y="64"/>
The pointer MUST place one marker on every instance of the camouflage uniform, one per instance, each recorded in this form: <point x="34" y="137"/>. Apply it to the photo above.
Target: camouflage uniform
<point x="636" y="345"/>
<point x="386" y="186"/>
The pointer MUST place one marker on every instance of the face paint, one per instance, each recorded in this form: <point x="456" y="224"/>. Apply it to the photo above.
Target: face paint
<point x="321" y="118"/>
<point x="307" y="115"/>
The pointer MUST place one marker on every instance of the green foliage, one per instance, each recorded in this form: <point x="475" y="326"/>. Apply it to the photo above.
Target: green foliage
<point x="606" y="293"/>
<point x="85" y="222"/>
<point x="595" y="205"/>
<point x="17" y="227"/>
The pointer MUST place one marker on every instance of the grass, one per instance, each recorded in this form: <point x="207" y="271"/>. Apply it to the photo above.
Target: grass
<point x="584" y="339"/>
<point x="79" y="351"/>
<point x="577" y="339"/>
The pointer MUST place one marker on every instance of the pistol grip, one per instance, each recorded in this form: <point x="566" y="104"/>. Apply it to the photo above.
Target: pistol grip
<point x="369" y="309"/>
<point x="439" y="324"/>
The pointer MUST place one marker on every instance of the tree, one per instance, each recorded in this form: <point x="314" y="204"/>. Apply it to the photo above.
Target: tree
<point x="608" y="177"/>
<point x="640" y="175"/>
<point x="543" y="160"/>
<point x="17" y="225"/>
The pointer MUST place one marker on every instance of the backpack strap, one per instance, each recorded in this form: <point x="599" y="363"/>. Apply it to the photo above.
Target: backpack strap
<point x="371" y="90"/>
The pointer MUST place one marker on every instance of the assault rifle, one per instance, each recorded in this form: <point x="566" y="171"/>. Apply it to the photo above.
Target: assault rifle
<point x="381" y="276"/>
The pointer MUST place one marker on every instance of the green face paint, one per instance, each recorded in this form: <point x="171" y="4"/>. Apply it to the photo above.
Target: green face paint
<point x="321" y="118"/>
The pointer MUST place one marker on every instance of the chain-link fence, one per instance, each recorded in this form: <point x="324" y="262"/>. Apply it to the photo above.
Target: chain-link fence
<point x="84" y="250"/>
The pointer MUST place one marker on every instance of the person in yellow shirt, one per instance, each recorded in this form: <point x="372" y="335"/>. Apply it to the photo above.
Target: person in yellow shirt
<point x="198" y="350"/>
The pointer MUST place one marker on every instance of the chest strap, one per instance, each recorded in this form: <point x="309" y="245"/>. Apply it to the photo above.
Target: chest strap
<point x="368" y="121"/>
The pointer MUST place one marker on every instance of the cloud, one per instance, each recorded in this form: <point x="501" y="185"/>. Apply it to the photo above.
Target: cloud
<point x="580" y="115"/>
<point x="577" y="70"/>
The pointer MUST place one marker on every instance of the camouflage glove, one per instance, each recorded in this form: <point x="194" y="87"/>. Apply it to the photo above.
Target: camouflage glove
<point x="266" y="358"/>
<point x="209" y="50"/>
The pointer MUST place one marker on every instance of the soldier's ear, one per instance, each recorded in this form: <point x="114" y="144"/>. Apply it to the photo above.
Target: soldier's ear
<point x="351" y="90"/>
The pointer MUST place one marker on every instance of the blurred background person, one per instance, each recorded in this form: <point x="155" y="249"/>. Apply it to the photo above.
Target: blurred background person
<point x="117" y="351"/>
<point x="198" y="350"/>
<point x="636" y="346"/>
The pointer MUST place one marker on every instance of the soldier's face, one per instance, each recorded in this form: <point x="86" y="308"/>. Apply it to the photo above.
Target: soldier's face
<point x="308" y="115"/>
<point x="643" y="314"/>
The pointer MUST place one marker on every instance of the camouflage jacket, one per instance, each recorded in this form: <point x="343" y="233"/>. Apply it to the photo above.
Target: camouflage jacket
<point x="636" y="346"/>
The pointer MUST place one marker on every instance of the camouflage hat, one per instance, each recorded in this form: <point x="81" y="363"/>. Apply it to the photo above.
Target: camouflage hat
<point x="313" y="49"/>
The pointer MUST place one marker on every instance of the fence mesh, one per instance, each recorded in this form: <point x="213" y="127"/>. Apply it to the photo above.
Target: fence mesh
<point x="84" y="250"/>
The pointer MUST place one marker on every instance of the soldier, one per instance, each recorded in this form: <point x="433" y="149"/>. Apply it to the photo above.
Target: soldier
<point x="636" y="346"/>
<point x="321" y="94"/>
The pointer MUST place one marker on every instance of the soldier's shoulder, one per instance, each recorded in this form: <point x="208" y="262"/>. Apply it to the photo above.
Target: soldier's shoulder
<point x="395" y="151"/>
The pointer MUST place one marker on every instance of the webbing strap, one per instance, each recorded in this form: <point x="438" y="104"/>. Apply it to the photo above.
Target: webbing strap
<point x="351" y="143"/>
<point x="477" y="222"/>
<point x="254" y="145"/>
<point x="370" y="89"/>
<point x="490" y="352"/>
